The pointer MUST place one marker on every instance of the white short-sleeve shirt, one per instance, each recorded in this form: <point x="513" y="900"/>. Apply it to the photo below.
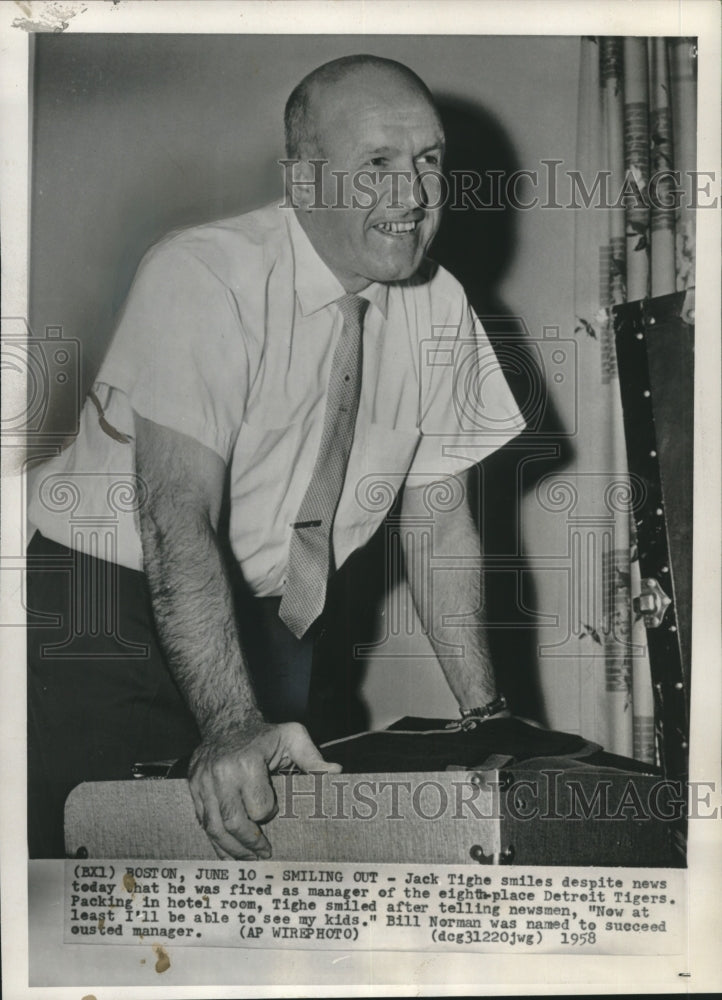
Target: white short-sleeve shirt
<point x="227" y="336"/>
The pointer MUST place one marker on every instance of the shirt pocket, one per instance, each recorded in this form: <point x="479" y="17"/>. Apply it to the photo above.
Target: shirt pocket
<point x="377" y="469"/>
<point x="264" y="457"/>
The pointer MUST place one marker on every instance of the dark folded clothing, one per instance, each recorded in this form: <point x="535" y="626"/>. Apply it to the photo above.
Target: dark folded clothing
<point x="415" y="744"/>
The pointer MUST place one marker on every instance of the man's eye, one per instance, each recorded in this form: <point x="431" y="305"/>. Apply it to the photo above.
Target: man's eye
<point x="430" y="159"/>
<point x="377" y="161"/>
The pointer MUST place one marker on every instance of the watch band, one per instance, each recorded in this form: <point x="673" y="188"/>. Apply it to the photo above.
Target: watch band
<point x="498" y="704"/>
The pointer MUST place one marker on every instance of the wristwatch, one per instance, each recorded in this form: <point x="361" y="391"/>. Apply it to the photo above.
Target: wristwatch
<point x="470" y="716"/>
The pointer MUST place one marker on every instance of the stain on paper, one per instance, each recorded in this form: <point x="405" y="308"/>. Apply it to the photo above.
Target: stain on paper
<point x="163" y="963"/>
<point x="53" y="17"/>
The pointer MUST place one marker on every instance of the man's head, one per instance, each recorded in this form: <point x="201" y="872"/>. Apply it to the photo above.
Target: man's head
<point x="374" y="125"/>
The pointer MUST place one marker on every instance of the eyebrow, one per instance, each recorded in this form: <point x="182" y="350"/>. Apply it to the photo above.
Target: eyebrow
<point x="385" y="150"/>
<point x="376" y="150"/>
<point x="441" y="144"/>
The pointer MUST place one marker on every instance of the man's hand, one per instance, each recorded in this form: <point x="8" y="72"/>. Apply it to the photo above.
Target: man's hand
<point x="231" y="786"/>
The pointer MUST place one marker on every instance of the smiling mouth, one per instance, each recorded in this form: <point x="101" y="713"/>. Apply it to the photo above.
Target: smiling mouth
<point x="397" y="228"/>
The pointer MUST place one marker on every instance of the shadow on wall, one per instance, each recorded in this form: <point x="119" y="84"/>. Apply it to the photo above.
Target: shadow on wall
<point x="477" y="246"/>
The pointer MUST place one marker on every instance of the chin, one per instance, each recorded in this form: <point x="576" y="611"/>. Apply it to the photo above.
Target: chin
<point x="399" y="271"/>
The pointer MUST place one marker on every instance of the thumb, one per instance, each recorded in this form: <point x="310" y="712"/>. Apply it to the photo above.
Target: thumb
<point x="304" y="753"/>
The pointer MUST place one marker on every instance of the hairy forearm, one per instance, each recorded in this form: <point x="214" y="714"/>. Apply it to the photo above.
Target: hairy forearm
<point x="462" y="649"/>
<point x="450" y="602"/>
<point x="193" y="608"/>
<point x="229" y="771"/>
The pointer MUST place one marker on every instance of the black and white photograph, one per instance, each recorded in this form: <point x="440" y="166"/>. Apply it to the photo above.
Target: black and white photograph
<point x="360" y="544"/>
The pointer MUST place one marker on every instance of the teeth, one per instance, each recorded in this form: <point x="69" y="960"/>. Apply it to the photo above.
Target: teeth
<point x="397" y="227"/>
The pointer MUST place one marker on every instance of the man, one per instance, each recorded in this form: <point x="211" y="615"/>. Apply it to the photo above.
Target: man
<point x="283" y="355"/>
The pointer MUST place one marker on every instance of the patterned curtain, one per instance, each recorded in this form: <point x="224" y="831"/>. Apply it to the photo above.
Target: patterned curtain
<point x="636" y="128"/>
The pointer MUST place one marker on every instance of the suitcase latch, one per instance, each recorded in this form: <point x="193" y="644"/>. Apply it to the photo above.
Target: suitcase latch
<point x="503" y="857"/>
<point x="652" y="603"/>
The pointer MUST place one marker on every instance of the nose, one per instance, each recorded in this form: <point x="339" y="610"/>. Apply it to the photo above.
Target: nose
<point x="410" y="191"/>
<point x="402" y="188"/>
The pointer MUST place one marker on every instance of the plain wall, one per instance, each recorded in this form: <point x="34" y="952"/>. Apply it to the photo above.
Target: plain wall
<point x="137" y="135"/>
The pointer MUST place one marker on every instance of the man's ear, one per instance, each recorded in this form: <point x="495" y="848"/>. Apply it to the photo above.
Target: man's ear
<point x="304" y="183"/>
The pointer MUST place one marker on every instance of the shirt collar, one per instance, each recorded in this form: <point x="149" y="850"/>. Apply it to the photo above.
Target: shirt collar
<point x="316" y="285"/>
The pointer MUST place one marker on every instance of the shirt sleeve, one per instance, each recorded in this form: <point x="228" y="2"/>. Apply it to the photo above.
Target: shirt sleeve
<point x="467" y="410"/>
<point x="178" y="353"/>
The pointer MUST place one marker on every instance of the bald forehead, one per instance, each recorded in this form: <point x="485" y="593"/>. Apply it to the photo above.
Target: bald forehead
<point x="390" y="78"/>
<point x="362" y="88"/>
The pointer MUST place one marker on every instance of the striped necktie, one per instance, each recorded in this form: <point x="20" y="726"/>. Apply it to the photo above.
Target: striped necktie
<point x="310" y="560"/>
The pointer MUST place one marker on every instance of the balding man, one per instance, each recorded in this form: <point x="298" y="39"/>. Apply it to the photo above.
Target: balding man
<point x="293" y="356"/>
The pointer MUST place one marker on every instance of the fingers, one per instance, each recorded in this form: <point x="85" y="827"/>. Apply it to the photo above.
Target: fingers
<point x="303" y="751"/>
<point x="256" y="789"/>
<point x="228" y="797"/>
<point x="233" y="837"/>
<point x="232" y="790"/>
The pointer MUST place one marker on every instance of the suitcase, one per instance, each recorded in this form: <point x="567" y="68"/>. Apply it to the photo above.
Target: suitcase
<point x="574" y="806"/>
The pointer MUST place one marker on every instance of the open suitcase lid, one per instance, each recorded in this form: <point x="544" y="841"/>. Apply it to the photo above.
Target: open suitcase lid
<point x="655" y="357"/>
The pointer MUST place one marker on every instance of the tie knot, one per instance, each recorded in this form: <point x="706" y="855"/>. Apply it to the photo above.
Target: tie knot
<point x="353" y="308"/>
